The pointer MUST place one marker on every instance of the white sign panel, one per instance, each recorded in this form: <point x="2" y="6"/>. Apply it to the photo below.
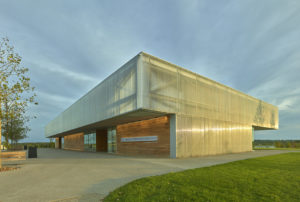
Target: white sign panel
<point x="140" y="139"/>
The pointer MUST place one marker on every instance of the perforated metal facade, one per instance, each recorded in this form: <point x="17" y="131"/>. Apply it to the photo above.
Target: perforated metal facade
<point x="114" y="96"/>
<point x="207" y="118"/>
<point x="210" y="118"/>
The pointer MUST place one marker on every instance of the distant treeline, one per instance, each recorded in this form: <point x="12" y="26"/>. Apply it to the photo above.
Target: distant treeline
<point x="37" y="144"/>
<point x="278" y="143"/>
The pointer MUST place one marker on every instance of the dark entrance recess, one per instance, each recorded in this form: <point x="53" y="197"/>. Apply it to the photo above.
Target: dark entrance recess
<point x="59" y="142"/>
<point x="101" y="140"/>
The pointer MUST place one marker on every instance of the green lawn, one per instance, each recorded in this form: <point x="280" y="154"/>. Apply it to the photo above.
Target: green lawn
<point x="271" y="178"/>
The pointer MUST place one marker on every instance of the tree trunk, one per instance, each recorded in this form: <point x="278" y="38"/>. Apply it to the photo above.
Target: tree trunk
<point x="0" y="146"/>
<point x="6" y="134"/>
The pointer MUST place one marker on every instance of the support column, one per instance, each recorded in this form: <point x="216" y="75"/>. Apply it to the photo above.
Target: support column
<point x="173" y="136"/>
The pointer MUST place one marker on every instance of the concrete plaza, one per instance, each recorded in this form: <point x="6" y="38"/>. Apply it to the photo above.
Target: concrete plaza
<point x="60" y="175"/>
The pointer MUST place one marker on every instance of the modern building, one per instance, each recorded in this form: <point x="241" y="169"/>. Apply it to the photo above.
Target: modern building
<point x="152" y="107"/>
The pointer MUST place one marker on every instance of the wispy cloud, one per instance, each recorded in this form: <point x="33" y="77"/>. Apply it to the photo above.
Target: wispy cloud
<point x="70" y="46"/>
<point x="58" y="69"/>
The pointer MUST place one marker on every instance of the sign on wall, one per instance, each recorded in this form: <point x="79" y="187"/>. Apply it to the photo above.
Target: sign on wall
<point x="140" y="139"/>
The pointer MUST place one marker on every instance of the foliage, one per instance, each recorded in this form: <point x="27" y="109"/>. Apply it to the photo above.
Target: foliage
<point x="287" y="149"/>
<point x="277" y="143"/>
<point x="15" y="128"/>
<point x="37" y="144"/>
<point x="271" y="178"/>
<point x="15" y="93"/>
<point x="18" y="129"/>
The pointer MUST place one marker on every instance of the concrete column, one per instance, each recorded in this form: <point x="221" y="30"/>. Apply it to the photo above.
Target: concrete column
<point x="139" y="83"/>
<point x="173" y="136"/>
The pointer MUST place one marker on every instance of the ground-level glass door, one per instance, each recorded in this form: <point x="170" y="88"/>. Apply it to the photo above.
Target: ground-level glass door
<point x="111" y="140"/>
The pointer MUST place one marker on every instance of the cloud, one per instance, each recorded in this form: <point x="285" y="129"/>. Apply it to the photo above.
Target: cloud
<point x="71" y="46"/>
<point x="58" y="69"/>
<point x="288" y="103"/>
<point x="57" y="99"/>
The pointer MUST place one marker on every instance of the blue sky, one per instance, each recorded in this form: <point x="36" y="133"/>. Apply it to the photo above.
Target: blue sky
<point x="70" y="46"/>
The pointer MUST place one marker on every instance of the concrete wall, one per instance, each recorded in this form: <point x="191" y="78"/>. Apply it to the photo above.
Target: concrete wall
<point x="159" y="127"/>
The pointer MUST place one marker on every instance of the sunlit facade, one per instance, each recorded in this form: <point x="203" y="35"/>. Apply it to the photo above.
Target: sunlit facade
<point x="150" y="106"/>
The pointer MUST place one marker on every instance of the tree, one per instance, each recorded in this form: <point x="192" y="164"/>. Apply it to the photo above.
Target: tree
<point x="14" y="121"/>
<point x="18" y="130"/>
<point x="15" y="127"/>
<point x="15" y="89"/>
<point x="278" y="144"/>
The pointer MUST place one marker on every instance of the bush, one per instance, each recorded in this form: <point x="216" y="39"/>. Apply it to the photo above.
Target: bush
<point x="38" y="144"/>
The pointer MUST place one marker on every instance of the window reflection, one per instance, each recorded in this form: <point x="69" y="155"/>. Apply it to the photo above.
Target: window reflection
<point x="90" y="142"/>
<point x="111" y="140"/>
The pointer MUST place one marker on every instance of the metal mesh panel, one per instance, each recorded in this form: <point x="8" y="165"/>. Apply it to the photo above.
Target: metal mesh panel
<point x="114" y="96"/>
<point x="211" y="118"/>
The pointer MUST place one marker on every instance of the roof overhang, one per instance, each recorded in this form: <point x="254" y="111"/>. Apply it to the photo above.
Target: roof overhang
<point x="263" y="128"/>
<point x="137" y="115"/>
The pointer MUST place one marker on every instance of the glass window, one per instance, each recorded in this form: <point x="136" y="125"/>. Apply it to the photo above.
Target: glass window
<point x="112" y="140"/>
<point x="90" y="141"/>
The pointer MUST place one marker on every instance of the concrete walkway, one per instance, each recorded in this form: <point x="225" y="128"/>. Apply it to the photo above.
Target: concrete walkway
<point x="59" y="175"/>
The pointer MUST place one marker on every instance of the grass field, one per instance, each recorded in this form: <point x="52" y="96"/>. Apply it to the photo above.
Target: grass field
<point x="271" y="178"/>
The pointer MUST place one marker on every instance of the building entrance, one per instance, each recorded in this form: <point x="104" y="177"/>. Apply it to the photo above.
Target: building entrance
<point x="112" y="140"/>
<point x="90" y="142"/>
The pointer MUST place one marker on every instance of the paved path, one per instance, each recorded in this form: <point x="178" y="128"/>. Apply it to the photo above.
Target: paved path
<point x="59" y="175"/>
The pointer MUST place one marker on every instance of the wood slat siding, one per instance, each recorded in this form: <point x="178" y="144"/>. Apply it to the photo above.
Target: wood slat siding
<point x="101" y="140"/>
<point x="74" y="142"/>
<point x="57" y="143"/>
<point x="159" y="127"/>
<point x="14" y="156"/>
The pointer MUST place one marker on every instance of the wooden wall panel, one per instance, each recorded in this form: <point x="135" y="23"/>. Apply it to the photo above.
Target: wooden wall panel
<point x="101" y="140"/>
<point x="159" y="127"/>
<point x="74" y="142"/>
<point x="57" y="143"/>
